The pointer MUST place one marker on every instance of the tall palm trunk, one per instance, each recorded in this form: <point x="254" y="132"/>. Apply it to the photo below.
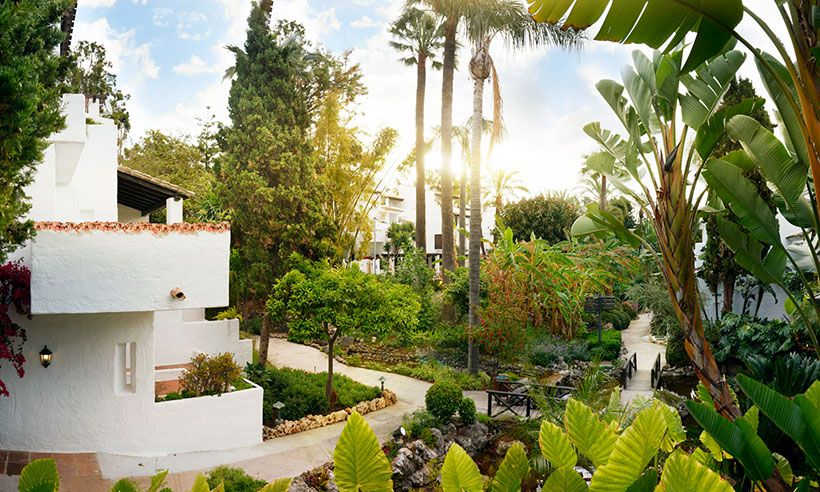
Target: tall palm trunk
<point x="421" y="217"/>
<point x="673" y="224"/>
<point x="602" y="198"/>
<point x="480" y="71"/>
<point x="448" y="68"/>
<point x="462" y="211"/>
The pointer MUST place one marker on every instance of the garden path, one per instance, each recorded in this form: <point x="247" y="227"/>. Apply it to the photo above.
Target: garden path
<point x="636" y="339"/>
<point x="291" y="455"/>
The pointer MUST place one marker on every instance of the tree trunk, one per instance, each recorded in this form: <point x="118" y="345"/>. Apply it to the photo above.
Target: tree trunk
<point x="673" y="223"/>
<point x="264" y="338"/>
<point x="329" y="393"/>
<point x="602" y="197"/>
<point x="448" y="69"/>
<point x="479" y="68"/>
<point x="462" y="215"/>
<point x="728" y="293"/>
<point x="421" y="217"/>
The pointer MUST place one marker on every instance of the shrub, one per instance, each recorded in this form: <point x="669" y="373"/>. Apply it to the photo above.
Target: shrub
<point x="417" y="422"/>
<point x="552" y="351"/>
<point x="654" y="296"/>
<point x="210" y="375"/>
<point x="610" y="346"/>
<point x="233" y="479"/>
<point x="676" y="355"/>
<point x="738" y="337"/>
<point x="303" y="393"/>
<point x="548" y="217"/>
<point x="466" y="410"/>
<point x="443" y="400"/>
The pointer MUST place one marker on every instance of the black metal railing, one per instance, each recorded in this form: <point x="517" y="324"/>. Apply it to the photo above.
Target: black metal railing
<point x="630" y="368"/>
<point x="517" y="398"/>
<point x="656" y="372"/>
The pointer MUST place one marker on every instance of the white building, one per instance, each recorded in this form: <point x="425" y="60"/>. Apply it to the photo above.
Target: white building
<point x="120" y="303"/>
<point x="398" y="205"/>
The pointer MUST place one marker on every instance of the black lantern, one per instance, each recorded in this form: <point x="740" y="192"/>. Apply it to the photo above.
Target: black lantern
<point x="45" y="356"/>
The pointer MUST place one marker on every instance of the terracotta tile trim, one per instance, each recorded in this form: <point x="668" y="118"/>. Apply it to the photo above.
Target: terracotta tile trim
<point x="135" y="227"/>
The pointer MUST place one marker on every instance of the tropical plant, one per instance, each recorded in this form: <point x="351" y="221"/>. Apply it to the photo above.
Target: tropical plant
<point x="399" y="238"/>
<point x="666" y="164"/>
<point x="442" y="400"/>
<point x="420" y="35"/>
<point x="30" y="72"/>
<point x="487" y="20"/>
<point x="210" y="375"/>
<point x="500" y="186"/>
<point x="797" y="418"/>
<point x="792" y="84"/>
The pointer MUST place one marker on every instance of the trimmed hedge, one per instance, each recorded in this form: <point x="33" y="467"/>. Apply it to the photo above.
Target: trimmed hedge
<point x="303" y="393"/>
<point x="610" y="346"/>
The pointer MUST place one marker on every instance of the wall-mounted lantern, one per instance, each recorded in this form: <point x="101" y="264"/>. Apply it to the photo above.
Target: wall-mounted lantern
<point x="45" y="356"/>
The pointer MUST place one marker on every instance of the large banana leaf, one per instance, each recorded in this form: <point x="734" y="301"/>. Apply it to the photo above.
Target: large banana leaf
<point x="555" y="446"/>
<point x="709" y="134"/>
<point x="358" y="461"/>
<point x="738" y="438"/>
<point x="799" y="418"/>
<point x="512" y="470"/>
<point x="565" y="479"/>
<point x="598" y="223"/>
<point x="593" y="438"/>
<point x="459" y="472"/>
<point x="741" y="195"/>
<point x="633" y="450"/>
<point x="682" y="473"/>
<point x="706" y="86"/>
<point x="748" y="252"/>
<point x="650" y="22"/>
<point x="278" y="485"/>
<point x="776" y="165"/>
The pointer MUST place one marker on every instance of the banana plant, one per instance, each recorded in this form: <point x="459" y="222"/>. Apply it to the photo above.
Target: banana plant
<point x="671" y="124"/>
<point x="793" y="83"/>
<point x="798" y="418"/>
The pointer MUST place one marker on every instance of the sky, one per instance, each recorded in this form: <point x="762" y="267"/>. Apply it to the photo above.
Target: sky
<point x="170" y="56"/>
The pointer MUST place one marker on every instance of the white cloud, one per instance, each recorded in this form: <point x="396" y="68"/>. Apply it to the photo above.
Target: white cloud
<point x="99" y="3"/>
<point x="187" y="24"/>
<point x="162" y="16"/>
<point x="195" y="66"/>
<point x="364" y="22"/>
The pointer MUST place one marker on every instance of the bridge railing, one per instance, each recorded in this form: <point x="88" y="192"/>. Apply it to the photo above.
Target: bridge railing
<point x="630" y="369"/>
<point x="656" y="372"/>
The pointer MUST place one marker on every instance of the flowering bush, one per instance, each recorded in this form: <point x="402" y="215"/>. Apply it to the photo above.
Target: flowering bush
<point x="15" y="290"/>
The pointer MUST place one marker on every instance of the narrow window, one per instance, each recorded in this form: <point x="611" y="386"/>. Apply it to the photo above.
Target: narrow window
<point x="125" y="367"/>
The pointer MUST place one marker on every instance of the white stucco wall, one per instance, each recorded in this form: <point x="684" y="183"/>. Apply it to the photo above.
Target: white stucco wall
<point x="73" y="405"/>
<point x="177" y="340"/>
<point x="116" y="271"/>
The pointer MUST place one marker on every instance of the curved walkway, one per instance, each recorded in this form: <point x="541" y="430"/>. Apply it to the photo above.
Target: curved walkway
<point x="636" y="339"/>
<point x="291" y="455"/>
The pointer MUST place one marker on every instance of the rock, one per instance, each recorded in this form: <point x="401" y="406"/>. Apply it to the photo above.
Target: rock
<point x="299" y="485"/>
<point x="404" y="463"/>
<point x="420" y="478"/>
<point x="345" y="341"/>
<point x="424" y="452"/>
<point x="441" y="444"/>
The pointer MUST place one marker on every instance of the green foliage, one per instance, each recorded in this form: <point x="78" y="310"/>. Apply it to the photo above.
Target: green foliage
<point x="653" y="296"/>
<point x="412" y="270"/>
<point x="268" y="177"/>
<point x="233" y="479"/>
<point x="513" y="469"/>
<point x="39" y="476"/>
<point x="554" y="350"/>
<point x="30" y="72"/>
<point x="443" y="400"/>
<point x="418" y="422"/>
<point x="210" y="375"/>
<point x="610" y="346"/>
<point x="458" y="290"/>
<point x="400" y="238"/>
<point x="91" y="74"/>
<point x="432" y="371"/>
<point x="547" y="217"/>
<point x="789" y="374"/>
<point x="358" y="461"/>
<point x="740" y="337"/>
<point x="460" y="473"/>
<point x="675" y="351"/>
<point x="303" y="393"/>
<point x="467" y="411"/>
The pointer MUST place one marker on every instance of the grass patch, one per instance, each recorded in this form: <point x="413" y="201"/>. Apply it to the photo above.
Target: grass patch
<point x="430" y="371"/>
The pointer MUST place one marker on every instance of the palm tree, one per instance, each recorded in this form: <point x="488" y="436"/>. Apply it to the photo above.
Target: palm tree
<point x="419" y="34"/>
<point x="462" y="135"/>
<point x="500" y="184"/>
<point x="486" y="20"/>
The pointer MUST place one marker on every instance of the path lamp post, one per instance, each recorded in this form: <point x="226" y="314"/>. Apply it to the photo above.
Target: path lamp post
<point x="382" y="379"/>
<point x="277" y="407"/>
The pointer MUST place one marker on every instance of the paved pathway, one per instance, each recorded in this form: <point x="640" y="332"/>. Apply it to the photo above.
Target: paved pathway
<point x="289" y="455"/>
<point x="636" y="339"/>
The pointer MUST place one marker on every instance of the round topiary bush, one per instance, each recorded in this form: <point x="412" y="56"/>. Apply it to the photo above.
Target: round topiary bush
<point x="443" y="400"/>
<point x="466" y="410"/>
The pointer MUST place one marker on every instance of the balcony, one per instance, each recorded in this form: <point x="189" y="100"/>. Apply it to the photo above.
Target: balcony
<point x="97" y="267"/>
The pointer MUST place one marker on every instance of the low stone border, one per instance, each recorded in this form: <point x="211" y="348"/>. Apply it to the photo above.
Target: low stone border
<point x="316" y="421"/>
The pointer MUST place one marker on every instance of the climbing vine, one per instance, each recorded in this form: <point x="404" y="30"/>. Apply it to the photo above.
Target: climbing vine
<point x="15" y="292"/>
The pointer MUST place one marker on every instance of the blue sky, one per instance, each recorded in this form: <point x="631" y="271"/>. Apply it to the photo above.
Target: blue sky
<point x="170" y="56"/>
